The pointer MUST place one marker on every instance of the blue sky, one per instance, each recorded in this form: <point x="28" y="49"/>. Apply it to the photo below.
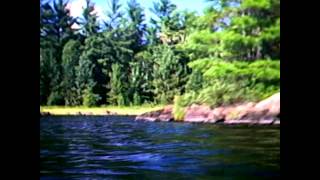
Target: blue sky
<point x="102" y="7"/>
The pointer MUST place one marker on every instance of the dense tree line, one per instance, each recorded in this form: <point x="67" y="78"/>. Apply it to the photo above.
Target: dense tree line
<point x="230" y="53"/>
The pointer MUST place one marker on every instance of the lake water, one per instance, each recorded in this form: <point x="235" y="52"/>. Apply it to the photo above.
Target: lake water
<point x="116" y="147"/>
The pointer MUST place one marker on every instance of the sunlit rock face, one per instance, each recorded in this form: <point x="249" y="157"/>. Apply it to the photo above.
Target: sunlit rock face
<point x="164" y="114"/>
<point x="264" y="112"/>
<point x="197" y="113"/>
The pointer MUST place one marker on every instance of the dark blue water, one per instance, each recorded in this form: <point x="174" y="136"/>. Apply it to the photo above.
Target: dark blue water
<point x="121" y="148"/>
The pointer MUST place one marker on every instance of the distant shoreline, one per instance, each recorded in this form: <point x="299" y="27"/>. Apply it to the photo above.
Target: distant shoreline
<point x="97" y="111"/>
<point x="265" y="112"/>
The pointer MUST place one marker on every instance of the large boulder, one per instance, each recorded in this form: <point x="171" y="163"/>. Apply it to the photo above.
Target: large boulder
<point x="166" y="114"/>
<point x="197" y="113"/>
<point x="271" y="104"/>
<point x="239" y="112"/>
<point x="217" y="114"/>
<point x="264" y="112"/>
<point x="159" y="115"/>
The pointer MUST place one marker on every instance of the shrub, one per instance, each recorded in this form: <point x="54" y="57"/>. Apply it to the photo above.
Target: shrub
<point x="89" y="98"/>
<point x="55" y="99"/>
<point x="178" y="109"/>
<point x="225" y="83"/>
<point x="121" y="100"/>
<point x="195" y="81"/>
<point x="136" y="99"/>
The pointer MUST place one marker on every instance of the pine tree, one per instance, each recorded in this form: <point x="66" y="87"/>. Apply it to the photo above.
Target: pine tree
<point x="55" y="31"/>
<point x="117" y="91"/>
<point x="48" y="76"/>
<point x="137" y="25"/>
<point x="70" y="60"/>
<point x="89" y="22"/>
<point x="116" y="49"/>
<point x="170" y="72"/>
<point x="114" y="15"/>
<point x="163" y="23"/>
<point x="127" y="62"/>
<point x="90" y="99"/>
<point x="90" y="71"/>
<point x="141" y="77"/>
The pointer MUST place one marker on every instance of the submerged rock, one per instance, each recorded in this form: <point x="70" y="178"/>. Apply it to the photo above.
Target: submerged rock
<point x="44" y="114"/>
<point x="111" y="113"/>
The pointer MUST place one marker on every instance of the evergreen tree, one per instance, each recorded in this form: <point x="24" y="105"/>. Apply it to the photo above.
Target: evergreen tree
<point x="56" y="25"/>
<point x="116" y="49"/>
<point x="70" y="60"/>
<point x="164" y="20"/>
<point x="48" y="70"/>
<point x="129" y="62"/>
<point x="169" y="74"/>
<point x="117" y="90"/>
<point x="90" y="24"/>
<point x="141" y="78"/>
<point x="89" y="97"/>
<point x="90" y="73"/>
<point x="137" y="25"/>
<point x="55" y="31"/>
<point x="114" y="15"/>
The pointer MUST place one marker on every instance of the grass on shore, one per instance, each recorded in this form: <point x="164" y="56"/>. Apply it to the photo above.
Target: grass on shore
<point x="120" y="110"/>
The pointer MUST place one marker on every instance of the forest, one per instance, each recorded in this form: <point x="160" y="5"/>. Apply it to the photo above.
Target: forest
<point x="228" y="54"/>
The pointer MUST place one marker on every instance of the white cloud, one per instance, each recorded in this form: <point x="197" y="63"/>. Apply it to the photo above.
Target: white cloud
<point x="99" y="12"/>
<point x="76" y="8"/>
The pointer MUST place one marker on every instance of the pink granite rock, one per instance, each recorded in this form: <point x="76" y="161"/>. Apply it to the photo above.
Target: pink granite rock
<point x="161" y="115"/>
<point x="263" y="112"/>
<point x="197" y="113"/>
<point x="272" y="104"/>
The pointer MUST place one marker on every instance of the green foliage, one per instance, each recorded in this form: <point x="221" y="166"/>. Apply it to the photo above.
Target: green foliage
<point x="55" y="32"/>
<point x="218" y="58"/>
<point x="178" y="109"/>
<point x="170" y="71"/>
<point x="226" y="83"/>
<point x="55" y="99"/>
<point x="84" y="75"/>
<point x="247" y="32"/>
<point x="48" y="73"/>
<point x="195" y="82"/>
<point x="136" y="99"/>
<point x="117" y="92"/>
<point x="89" y="22"/>
<point x="219" y="94"/>
<point x="142" y="77"/>
<point x="90" y="99"/>
<point x="70" y="60"/>
<point x="261" y="4"/>
<point x="137" y="26"/>
<point x="260" y="70"/>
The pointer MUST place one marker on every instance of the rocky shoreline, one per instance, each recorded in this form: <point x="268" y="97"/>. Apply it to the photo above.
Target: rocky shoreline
<point x="266" y="112"/>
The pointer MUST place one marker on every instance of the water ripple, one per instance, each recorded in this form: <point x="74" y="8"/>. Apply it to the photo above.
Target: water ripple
<point x="121" y="148"/>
